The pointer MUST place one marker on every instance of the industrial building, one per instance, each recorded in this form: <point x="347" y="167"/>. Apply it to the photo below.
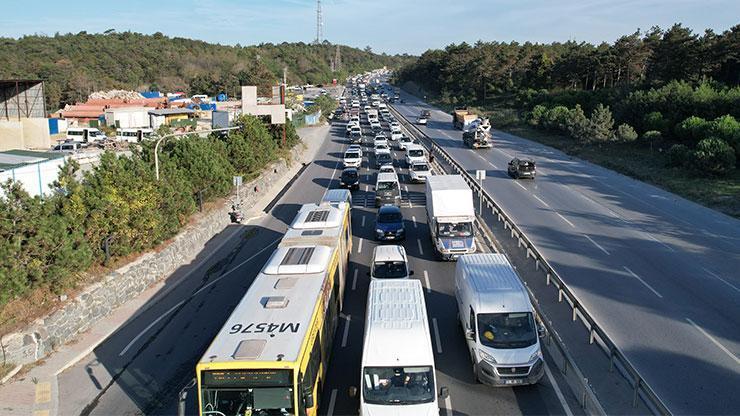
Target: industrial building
<point x="35" y="171"/>
<point x="23" y="123"/>
<point x="175" y="117"/>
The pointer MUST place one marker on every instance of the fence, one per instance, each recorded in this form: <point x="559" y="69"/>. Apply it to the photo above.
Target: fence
<point x="578" y="383"/>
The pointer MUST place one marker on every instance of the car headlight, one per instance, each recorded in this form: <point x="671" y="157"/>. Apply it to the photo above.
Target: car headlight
<point x="397" y="196"/>
<point x="486" y="356"/>
<point x="537" y="354"/>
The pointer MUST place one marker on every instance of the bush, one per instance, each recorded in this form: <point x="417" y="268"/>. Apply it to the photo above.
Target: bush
<point x="504" y="117"/>
<point x="714" y="156"/>
<point x="577" y="124"/>
<point x="678" y="155"/>
<point x="655" y="121"/>
<point x="727" y="128"/>
<point x="556" y="118"/>
<point x="691" y="130"/>
<point x="601" y="124"/>
<point x="626" y="133"/>
<point x="536" y="116"/>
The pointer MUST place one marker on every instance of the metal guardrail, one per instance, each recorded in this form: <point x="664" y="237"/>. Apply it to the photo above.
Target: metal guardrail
<point x="567" y="366"/>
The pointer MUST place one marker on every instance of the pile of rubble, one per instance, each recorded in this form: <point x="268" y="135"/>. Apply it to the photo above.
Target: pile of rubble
<point x="115" y="95"/>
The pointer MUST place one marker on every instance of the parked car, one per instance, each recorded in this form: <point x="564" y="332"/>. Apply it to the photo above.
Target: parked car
<point x="350" y="178"/>
<point x="389" y="224"/>
<point x="389" y="262"/>
<point x="522" y="168"/>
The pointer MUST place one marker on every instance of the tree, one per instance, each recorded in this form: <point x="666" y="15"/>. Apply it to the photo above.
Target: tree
<point x="626" y="133"/>
<point x="601" y="124"/>
<point x="714" y="156"/>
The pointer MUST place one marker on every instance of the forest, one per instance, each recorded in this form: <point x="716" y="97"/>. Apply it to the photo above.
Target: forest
<point x="73" y="65"/>
<point x="669" y="98"/>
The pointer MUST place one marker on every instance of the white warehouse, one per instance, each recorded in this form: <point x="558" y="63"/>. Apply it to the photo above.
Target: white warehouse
<point x="127" y="117"/>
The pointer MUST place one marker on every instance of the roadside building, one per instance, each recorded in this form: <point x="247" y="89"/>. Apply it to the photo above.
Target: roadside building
<point x="23" y="123"/>
<point x="128" y="117"/>
<point x="35" y="171"/>
<point x="175" y="117"/>
<point x="272" y="108"/>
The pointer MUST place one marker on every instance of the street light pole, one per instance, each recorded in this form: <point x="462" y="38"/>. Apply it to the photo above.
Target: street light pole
<point x="167" y="136"/>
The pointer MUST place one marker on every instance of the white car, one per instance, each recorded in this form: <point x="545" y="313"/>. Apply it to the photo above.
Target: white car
<point x="390" y="262"/>
<point x="403" y="142"/>
<point x="395" y="125"/>
<point x="380" y="139"/>
<point x="376" y="126"/>
<point x="352" y="159"/>
<point x="387" y="169"/>
<point x="415" y="153"/>
<point x="355" y="148"/>
<point x="419" y="172"/>
<point x="382" y="147"/>
<point x="396" y="135"/>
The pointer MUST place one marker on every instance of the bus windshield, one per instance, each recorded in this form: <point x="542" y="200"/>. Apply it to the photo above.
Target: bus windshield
<point x="239" y="392"/>
<point x="398" y="385"/>
<point x="507" y="330"/>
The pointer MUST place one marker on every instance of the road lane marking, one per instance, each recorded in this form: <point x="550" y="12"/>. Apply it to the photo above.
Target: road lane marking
<point x="558" y="393"/>
<point x="354" y="280"/>
<point x="333" y="172"/>
<point x="520" y="185"/>
<point x="413" y="218"/>
<point x="660" y="242"/>
<point x="448" y="406"/>
<point x="332" y="402"/>
<point x="437" y="341"/>
<point x="363" y="221"/>
<point x="359" y="246"/>
<point x="366" y="187"/>
<point x="721" y="279"/>
<point x="426" y="280"/>
<point x="406" y="188"/>
<point x="421" y="250"/>
<point x="541" y="201"/>
<point x="347" y="320"/>
<point x="172" y="309"/>
<point x="565" y="219"/>
<point x="642" y="281"/>
<point x="597" y="245"/>
<point x="717" y="343"/>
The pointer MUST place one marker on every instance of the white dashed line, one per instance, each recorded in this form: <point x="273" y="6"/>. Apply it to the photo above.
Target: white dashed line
<point x="359" y="246"/>
<point x="366" y="188"/>
<point x="421" y="250"/>
<point x="413" y="218"/>
<point x="363" y="221"/>
<point x="721" y="279"/>
<point x="354" y="280"/>
<point x="565" y="219"/>
<point x="406" y="188"/>
<point x="332" y="402"/>
<point x="448" y="406"/>
<point x="436" y="336"/>
<point x="642" y="281"/>
<point x="347" y="320"/>
<point x="597" y="245"/>
<point x="541" y="201"/>
<point x="717" y="343"/>
<point x="426" y="280"/>
<point x="659" y="242"/>
<point x="520" y="185"/>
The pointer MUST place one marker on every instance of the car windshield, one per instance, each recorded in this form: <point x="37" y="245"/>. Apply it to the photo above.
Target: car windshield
<point x="416" y="153"/>
<point x="419" y="167"/>
<point x="506" y="330"/>
<point x="239" y="392"/>
<point x="526" y="166"/>
<point x="389" y="269"/>
<point x="390" y="217"/>
<point x="351" y="174"/>
<point x="387" y="186"/>
<point x="351" y="155"/>
<point x="398" y="385"/>
<point x="460" y="229"/>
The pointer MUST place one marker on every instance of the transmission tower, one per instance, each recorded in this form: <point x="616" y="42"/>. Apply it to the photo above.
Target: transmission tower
<point x="319" y="23"/>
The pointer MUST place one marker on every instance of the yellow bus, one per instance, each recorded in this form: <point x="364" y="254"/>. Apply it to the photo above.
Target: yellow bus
<point x="270" y="358"/>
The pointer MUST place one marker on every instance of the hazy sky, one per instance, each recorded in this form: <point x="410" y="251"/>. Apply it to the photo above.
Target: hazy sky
<point x="393" y="26"/>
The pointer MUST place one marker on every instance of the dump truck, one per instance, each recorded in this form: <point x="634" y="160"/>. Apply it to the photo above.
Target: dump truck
<point x="462" y="117"/>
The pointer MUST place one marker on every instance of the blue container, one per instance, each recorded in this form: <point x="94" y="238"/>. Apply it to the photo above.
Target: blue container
<point x="221" y="97"/>
<point x="53" y="126"/>
<point x="151" y="94"/>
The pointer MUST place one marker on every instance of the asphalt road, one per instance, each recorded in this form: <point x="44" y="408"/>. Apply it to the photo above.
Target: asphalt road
<point x="141" y="368"/>
<point x="658" y="272"/>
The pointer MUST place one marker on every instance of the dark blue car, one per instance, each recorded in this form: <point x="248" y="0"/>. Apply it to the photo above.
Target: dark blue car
<point x="389" y="224"/>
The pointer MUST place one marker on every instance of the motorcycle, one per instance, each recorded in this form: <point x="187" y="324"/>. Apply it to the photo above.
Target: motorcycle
<point x="236" y="215"/>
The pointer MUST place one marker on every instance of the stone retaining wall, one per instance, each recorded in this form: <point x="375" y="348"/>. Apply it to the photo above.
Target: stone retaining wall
<point x="100" y="299"/>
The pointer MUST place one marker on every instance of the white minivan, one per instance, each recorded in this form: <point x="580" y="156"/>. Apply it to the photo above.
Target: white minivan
<point x="498" y="321"/>
<point x="398" y="373"/>
<point x="414" y="154"/>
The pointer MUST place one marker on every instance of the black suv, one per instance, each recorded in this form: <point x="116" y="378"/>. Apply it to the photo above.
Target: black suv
<point x="521" y="168"/>
<point x="350" y="179"/>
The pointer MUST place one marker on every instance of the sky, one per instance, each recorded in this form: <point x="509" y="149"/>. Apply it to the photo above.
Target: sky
<point x="391" y="26"/>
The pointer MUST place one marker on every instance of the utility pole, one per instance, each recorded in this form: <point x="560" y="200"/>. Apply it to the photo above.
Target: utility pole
<point x="319" y="24"/>
<point x="337" y="60"/>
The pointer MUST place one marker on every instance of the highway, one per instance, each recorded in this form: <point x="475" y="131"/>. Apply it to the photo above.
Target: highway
<point x="141" y="368"/>
<point x="659" y="273"/>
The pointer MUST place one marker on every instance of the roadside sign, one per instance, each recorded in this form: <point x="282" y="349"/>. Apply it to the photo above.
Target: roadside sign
<point x="480" y="174"/>
<point x="237" y="180"/>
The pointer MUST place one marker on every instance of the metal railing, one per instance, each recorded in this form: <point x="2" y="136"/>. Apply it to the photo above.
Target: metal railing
<point x="578" y="383"/>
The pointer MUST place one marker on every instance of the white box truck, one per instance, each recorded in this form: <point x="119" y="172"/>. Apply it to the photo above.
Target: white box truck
<point x="398" y="372"/>
<point x="498" y="321"/>
<point x="450" y="215"/>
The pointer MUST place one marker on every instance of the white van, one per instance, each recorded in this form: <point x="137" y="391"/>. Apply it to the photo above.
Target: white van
<point x="415" y="153"/>
<point x="85" y="135"/>
<point x="498" y="321"/>
<point x="398" y="372"/>
<point x="133" y="135"/>
<point x="389" y="262"/>
<point x="387" y="190"/>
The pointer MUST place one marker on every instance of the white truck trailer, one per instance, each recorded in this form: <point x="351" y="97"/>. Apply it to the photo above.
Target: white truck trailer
<point x="450" y="215"/>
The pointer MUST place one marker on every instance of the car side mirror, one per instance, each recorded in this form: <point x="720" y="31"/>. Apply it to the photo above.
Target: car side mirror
<point x="541" y="330"/>
<point x="444" y="392"/>
<point x="411" y="273"/>
<point x="352" y="391"/>
<point x="470" y="334"/>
